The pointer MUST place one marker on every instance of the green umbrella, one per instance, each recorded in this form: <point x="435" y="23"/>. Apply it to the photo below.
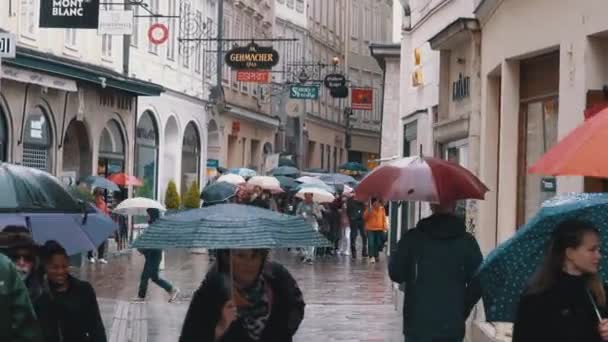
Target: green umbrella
<point x="287" y="171"/>
<point x="287" y="162"/>
<point x="26" y="189"/>
<point x="218" y="192"/>
<point x="287" y="183"/>
<point x="230" y="226"/>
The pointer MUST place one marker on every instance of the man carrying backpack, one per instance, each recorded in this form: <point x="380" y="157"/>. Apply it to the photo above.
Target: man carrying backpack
<point x="436" y="262"/>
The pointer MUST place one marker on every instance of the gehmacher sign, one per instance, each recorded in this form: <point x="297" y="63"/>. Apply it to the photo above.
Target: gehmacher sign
<point x="252" y="56"/>
<point x="82" y="14"/>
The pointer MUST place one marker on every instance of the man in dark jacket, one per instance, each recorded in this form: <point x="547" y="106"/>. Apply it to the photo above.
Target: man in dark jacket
<point x="354" y="210"/>
<point x="436" y="262"/>
<point x="17" y="317"/>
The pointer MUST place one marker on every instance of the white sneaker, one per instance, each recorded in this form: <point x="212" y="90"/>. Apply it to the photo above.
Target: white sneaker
<point x="174" y="294"/>
<point x="92" y="260"/>
<point x="138" y="300"/>
<point x="103" y="261"/>
<point x="372" y="260"/>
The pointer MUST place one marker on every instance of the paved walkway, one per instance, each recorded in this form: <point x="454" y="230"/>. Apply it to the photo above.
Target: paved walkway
<point x="346" y="300"/>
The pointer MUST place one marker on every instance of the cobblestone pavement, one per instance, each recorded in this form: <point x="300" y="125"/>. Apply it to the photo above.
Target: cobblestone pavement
<point x="346" y="300"/>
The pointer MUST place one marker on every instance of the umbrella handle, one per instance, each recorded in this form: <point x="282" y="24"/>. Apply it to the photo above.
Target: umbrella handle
<point x="597" y="311"/>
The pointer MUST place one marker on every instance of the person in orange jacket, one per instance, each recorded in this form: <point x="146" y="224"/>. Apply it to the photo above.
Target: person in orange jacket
<point x="375" y="226"/>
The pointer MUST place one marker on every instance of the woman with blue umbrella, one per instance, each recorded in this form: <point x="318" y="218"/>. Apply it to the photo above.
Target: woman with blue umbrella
<point x="566" y="299"/>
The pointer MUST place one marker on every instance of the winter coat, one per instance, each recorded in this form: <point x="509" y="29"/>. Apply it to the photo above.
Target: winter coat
<point x="436" y="262"/>
<point x="17" y="318"/>
<point x="354" y="210"/>
<point x="287" y="311"/>
<point x="375" y="219"/>
<point x="71" y="316"/>
<point x="563" y="313"/>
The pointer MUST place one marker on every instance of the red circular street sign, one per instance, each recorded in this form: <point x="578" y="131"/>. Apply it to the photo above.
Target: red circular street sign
<point x="158" y="33"/>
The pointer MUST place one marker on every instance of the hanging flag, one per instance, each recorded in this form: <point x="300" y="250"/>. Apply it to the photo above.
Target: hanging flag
<point x="362" y="98"/>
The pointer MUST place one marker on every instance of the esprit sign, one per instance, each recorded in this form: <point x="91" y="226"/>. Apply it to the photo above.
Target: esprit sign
<point x="82" y="14"/>
<point x="252" y="56"/>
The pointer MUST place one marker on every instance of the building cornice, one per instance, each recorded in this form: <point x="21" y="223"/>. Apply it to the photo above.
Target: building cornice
<point x="452" y="32"/>
<point x="486" y="8"/>
<point x="381" y="52"/>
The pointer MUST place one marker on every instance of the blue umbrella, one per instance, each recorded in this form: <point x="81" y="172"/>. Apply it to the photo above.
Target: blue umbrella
<point x="506" y="271"/>
<point x="243" y="172"/>
<point x="230" y="226"/>
<point x="75" y="233"/>
<point x="100" y="182"/>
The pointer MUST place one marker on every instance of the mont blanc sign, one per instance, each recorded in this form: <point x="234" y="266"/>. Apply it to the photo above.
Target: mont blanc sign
<point x="252" y="56"/>
<point x="83" y="14"/>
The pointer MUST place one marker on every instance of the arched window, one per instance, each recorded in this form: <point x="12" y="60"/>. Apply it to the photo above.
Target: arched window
<point x="37" y="141"/>
<point x="111" y="150"/>
<point x="146" y="155"/>
<point x="191" y="156"/>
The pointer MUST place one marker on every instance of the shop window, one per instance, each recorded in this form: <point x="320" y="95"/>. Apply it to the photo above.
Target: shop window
<point x="37" y="141"/>
<point x="190" y="157"/>
<point x="146" y="155"/>
<point x="3" y="137"/>
<point x="538" y="133"/>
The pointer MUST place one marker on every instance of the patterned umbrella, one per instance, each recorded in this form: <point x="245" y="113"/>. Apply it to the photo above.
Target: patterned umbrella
<point x="230" y="226"/>
<point x="507" y="269"/>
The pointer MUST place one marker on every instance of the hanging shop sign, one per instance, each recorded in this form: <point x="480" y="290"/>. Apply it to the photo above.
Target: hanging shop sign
<point x="362" y="98"/>
<point x="252" y="56"/>
<point x="82" y="14"/>
<point x="158" y="33"/>
<point x="300" y="92"/>
<point x="8" y="45"/>
<point x="253" y="76"/>
<point x="334" y="81"/>
<point x="115" y="23"/>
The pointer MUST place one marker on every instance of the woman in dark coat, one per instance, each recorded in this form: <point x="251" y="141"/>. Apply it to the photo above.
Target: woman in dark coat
<point x="566" y="296"/>
<point x="68" y="309"/>
<point x="269" y="303"/>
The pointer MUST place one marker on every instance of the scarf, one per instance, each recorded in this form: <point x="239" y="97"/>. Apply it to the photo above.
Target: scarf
<point x="254" y="307"/>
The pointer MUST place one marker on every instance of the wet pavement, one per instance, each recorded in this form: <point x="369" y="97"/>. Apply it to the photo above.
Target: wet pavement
<point x="346" y="300"/>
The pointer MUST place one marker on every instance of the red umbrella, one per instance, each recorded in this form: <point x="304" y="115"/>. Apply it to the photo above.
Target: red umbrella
<point x="123" y="179"/>
<point x="420" y="179"/>
<point x="580" y="153"/>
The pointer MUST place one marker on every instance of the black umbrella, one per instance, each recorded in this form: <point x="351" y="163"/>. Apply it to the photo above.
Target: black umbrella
<point x="218" y="192"/>
<point x="26" y="189"/>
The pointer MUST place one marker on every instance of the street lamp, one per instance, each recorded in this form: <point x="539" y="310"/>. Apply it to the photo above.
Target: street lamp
<point x="335" y="61"/>
<point x="303" y="76"/>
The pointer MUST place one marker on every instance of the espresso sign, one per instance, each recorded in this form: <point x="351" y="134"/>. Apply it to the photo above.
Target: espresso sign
<point x="334" y="81"/>
<point x="252" y="56"/>
<point x="83" y="14"/>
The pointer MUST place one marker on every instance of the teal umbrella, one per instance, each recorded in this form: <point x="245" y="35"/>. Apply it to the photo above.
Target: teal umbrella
<point x="287" y="171"/>
<point x="218" y="192"/>
<point x="100" y="182"/>
<point x="287" y="162"/>
<point x="243" y="172"/>
<point x="287" y="183"/>
<point x="230" y="226"/>
<point x="353" y="167"/>
<point x="506" y="271"/>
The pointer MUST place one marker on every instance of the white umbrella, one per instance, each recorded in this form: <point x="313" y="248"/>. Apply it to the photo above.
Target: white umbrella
<point x="232" y="179"/>
<point x="137" y="206"/>
<point x="265" y="182"/>
<point x="318" y="195"/>
<point x="309" y="180"/>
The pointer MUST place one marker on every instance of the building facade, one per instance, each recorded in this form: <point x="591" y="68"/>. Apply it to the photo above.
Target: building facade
<point x="369" y="21"/>
<point x="66" y="105"/>
<point x="171" y="134"/>
<point x="245" y="131"/>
